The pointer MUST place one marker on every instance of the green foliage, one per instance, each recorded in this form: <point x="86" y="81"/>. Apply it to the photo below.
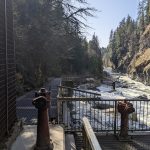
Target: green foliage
<point x="95" y="57"/>
<point x="124" y="42"/>
<point x="143" y="15"/>
<point x="48" y="39"/>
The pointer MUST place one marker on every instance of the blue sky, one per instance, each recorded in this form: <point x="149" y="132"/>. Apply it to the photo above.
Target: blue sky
<point x="111" y="13"/>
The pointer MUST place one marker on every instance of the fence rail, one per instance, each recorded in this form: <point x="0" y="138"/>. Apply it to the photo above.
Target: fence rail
<point x="102" y="113"/>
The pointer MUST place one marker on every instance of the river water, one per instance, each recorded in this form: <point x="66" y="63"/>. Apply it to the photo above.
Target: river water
<point x="103" y="118"/>
<point x="127" y="87"/>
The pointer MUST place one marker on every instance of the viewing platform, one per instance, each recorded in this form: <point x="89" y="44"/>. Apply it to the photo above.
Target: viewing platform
<point x="138" y="142"/>
<point x="27" y="139"/>
<point x="89" y="122"/>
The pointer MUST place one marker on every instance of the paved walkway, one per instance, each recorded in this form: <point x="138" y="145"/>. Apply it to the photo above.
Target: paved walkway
<point x="138" y="142"/>
<point x="27" y="139"/>
<point x="27" y="112"/>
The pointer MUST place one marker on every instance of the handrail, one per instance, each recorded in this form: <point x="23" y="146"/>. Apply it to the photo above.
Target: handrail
<point x="94" y="144"/>
<point x="94" y="98"/>
<point x="99" y="99"/>
<point x="65" y="87"/>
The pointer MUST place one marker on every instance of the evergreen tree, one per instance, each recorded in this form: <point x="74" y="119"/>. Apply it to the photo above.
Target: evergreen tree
<point x="123" y="43"/>
<point x="141" y="17"/>
<point x="48" y="39"/>
<point x="95" y="57"/>
<point x="147" y="14"/>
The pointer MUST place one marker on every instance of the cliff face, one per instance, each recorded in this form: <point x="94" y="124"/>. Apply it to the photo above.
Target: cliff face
<point x="145" y="39"/>
<point x="140" y="64"/>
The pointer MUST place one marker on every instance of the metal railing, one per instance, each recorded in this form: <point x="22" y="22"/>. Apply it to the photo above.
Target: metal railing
<point x="74" y="104"/>
<point x="90" y="141"/>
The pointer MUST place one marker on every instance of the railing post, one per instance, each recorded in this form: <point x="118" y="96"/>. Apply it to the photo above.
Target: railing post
<point x="58" y="104"/>
<point x="115" y="117"/>
<point x="58" y="111"/>
<point x="114" y="85"/>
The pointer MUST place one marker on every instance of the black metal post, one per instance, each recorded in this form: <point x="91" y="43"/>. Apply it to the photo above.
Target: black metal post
<point x="115" y="118"/>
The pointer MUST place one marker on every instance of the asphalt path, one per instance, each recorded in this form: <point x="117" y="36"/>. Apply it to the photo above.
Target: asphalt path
<point x="27" y="112"/>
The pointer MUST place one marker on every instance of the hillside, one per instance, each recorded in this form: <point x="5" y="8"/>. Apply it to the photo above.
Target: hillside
<point x="132" y="56"/>
<point x="129" y="45"/>
<point x="140" y="64"/>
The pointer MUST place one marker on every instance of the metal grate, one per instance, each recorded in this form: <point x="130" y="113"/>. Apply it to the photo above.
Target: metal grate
<point x="7" y="68"/>
<point x="25" y="110"/>
<point x="78" y="140"/>
<point x="10" y="67"/>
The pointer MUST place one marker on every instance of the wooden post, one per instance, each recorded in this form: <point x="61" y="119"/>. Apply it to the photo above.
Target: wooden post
<point x="125" y="108"/>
